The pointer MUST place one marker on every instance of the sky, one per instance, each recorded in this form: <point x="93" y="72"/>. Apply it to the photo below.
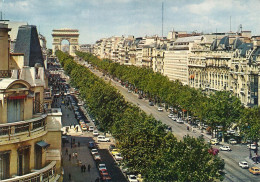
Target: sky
<point x="96" y="19"/>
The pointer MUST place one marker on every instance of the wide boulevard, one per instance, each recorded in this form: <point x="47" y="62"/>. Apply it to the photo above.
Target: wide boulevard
<point x="239" y="152"/>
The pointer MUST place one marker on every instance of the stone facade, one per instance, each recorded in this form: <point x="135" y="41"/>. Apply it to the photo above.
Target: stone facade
<point x="212" y="62"/>
<point x="26" y="128"/>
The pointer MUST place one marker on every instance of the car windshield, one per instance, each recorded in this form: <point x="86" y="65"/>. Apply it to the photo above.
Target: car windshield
<point x="132" y="177"/>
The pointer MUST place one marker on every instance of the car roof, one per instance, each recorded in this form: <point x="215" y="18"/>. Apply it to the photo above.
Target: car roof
<point x="243" y="161"/>
<point x="255" y="167"/>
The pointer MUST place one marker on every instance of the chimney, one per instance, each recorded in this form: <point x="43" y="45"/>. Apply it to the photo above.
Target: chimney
<point x="4" y="47"/>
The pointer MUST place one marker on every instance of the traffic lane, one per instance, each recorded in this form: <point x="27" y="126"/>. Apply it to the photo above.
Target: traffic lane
<point x="179" y="130"/>
<point x="232" y="159"/>
<point x="112" y="168"/>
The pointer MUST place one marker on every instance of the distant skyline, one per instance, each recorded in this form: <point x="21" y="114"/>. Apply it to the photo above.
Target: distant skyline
<point x="98" y="19"/>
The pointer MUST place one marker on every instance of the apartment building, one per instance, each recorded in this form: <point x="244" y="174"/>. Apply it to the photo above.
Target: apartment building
<point x="176" y="59"/>
<point x="27" y="128"/>
<point x="226" y="62"/>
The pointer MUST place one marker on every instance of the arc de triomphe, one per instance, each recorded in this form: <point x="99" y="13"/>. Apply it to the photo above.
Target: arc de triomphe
<point x="71" y="35"/>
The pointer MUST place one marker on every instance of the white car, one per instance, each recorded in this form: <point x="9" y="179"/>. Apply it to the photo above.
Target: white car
<point x="101" y="166"/>
<point x="232" y="141"/>
<point x="180" y="121"/>
<point x="160" y="109"/>
<point x="118" y="157"/>
<point x="231" y="132"/>
<point x="94" y="151"/>
<point x="243" y="164"/>
<point x="95" y="133"/>
<point x="225" y="148"/>
<point x="170" y="115"/>
<point x="102" y="138"/>
<point x="132" y="178"/>
<point x="174" y="118"/>
<point x="91" y="128"/>
<point x="253" y="146"/>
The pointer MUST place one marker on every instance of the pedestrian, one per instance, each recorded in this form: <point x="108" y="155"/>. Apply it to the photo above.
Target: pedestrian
<point x="76" y="155"/>
<point x="188" y="128"/>
<point x="69" y="157"/>
<point x="78" y="144"/>
<point x="66" y="151"/>
<point x="84" y="168"/>
<point x="89" y="167"/>
<point x="70" y="126"/>
<point x="69" y="176"/>
<point x="97" y="180"/>
<point x="77" y="128"/>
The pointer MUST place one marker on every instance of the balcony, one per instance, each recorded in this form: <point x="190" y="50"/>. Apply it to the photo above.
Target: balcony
<point x="23" y="130"/>
<point x="47" y="173"/>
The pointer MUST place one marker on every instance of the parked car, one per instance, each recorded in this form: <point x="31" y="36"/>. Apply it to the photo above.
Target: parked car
<point x="214" y="141"/>
<point x="160" y="109"/>
<point x="97" y="157"/>
<point x="91" y="144"/>
<point x="95" y="133"/>
<point x="151" y="103"/>
<point x="91" y="128"/>
<point x="254" y="170"/>
<point x="115" y="151"/>
<point x="251" y="146"/>
<point x="101" y="167"/>
<point x="105" y="177"/>
<point x="232" y="132"/>
<point x="84" y="127"/>
<point x="180" y="121"/>
<point x="243" y="164"/>
<point x="94" y="151"/>
<point x="132" y="178"/>
<point x="118" y="157"/>
<point x="232" y="141"/>
<point x="102" y="138"/>
<point x="225" y="148"/>
<point x="170" y="115"/>
<point x="103" y="172"/>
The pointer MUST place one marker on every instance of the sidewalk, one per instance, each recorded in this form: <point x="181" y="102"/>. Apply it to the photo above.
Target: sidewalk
<point x="71" y="166"/>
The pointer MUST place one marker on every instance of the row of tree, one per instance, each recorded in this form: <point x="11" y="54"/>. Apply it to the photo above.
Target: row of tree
<point x="145" y="145"/>
<point x="221" y="108"/>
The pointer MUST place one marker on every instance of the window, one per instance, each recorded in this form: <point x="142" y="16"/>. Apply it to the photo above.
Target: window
<point x="4" y="164"/>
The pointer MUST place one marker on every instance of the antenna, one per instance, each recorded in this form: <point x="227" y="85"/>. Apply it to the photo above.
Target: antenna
<point x="230" y="24"/>
<point x="162" y="19"/>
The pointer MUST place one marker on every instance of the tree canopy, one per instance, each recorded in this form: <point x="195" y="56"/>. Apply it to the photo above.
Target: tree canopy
<point x="145" y="145"/>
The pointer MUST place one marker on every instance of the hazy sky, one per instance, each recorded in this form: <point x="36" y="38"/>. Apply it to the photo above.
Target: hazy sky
<point x="97" y="19"/>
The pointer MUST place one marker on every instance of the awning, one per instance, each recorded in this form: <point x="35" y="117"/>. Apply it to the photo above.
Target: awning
<point x="42" y="144"/>
<point x="17" y="97"/>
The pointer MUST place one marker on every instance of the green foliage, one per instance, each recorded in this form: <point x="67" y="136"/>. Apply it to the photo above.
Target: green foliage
<point x="250" y="123"/>
<point x="144" y="144"/>
<point x="223" y="109"/>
